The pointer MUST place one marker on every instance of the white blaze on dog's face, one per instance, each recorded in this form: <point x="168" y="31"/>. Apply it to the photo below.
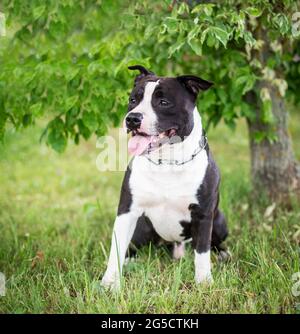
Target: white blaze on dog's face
<point x="149" y="120"/>
<point x="160" y="108"/>
<point x="146" y="133"/>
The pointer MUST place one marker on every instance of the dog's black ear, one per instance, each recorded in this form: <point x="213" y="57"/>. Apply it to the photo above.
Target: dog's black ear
<point x="194" y="84"/>
<point x="141" y="68"/>
<point x="143" y="72"/>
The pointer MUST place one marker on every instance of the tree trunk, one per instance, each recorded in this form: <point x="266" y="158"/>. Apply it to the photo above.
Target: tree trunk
<point x="274" y="168"/>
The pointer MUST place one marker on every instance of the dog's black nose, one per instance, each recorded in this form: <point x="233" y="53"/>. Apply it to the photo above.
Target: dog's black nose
<point x="134" y="120"/>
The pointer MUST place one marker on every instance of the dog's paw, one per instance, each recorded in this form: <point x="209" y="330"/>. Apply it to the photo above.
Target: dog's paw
<point x="178" y="251"/>
<point x="224" y="256"/>
<point x="204" y="278"/>
<point x="129" y="260"/>
<point x="111" y="282"/>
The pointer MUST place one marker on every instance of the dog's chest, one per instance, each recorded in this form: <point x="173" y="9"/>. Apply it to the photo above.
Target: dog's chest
<point x="164" y="197"/>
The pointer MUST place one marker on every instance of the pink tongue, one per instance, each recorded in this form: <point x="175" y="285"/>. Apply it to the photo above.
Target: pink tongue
<point x="138" y="144"/>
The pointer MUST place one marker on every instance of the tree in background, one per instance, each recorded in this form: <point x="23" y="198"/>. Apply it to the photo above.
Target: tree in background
<point x="70" y="59"/>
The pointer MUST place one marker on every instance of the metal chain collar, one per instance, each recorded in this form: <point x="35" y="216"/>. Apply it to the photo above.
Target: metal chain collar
<point x="201" y="147"/>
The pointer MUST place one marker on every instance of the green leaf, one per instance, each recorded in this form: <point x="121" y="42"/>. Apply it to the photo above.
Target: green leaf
<point x="220" y="34"/>
<point x="207" y="100"/>
<point x="35" y="109"/>
<point x="196" y="46"/>
<point x="70" y="102"/>
<point x="253" y="11"/>
<point x="56" y="136"/>
<point x="176" y="47"/>
<point x="210" y="40"/>
<point x="38" y="11"/>
<point x="90" y="120"/>
<point x="77" y="139"/>
<point x="94" y="67"/>
<point x="194" y="33"/>
<point x="172" y="24"/>
<point x="203" y="35"/>
<point x="249" y="39"/>
<point x="57" y="141"/>
<point x="247" y="111"/>
<point x="70" y="73"/>
<point x="282" y="23"/>
<point x="206" y="8"/>
<point x="247" y="81"/>
<point x="183" y="9"/>
<point x="84" y="130"/>
<point x="129" y="20"/>
<point x="222" y="95"/>
<point x="27" y="120"/>
<point x="70" y="119"/>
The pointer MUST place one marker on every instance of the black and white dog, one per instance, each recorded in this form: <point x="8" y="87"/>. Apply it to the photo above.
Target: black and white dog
<point x="170" y="191"/>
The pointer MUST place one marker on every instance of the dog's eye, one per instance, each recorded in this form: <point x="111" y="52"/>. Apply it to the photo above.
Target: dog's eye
<point x="132" y="100"/>
<point x="163" y="103"/>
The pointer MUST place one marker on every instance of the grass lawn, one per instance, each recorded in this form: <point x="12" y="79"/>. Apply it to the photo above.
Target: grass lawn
<point x="56" y="218"/>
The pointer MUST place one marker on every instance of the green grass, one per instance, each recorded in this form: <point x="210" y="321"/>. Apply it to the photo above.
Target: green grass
<point x="56" y="218"/>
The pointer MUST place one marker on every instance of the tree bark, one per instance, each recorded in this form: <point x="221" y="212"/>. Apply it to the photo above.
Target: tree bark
<point x="274" y="169"/>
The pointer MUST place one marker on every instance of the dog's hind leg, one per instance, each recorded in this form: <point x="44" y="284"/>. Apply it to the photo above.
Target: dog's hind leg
<point x="219" y="234"/>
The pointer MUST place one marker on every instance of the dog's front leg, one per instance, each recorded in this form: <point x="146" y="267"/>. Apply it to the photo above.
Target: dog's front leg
<point x="201" y="229"/>
<point x="122" y="233"/>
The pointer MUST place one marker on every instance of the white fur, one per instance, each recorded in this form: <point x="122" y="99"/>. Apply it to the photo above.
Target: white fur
<point x="202" y="267"/>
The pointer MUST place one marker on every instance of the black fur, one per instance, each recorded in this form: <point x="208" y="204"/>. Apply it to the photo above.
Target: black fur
<point x="144" y="233"/>
<point x="125" y="197"/>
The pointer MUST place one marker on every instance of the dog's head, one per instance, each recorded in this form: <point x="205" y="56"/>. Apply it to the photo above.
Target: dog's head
<point x="160" y="108"/>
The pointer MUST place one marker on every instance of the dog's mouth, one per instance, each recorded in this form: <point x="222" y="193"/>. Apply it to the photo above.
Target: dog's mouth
<point x="141" y="142"/>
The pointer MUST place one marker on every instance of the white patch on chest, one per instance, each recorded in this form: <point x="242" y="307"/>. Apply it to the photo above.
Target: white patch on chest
<point x="164" y="194"/>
